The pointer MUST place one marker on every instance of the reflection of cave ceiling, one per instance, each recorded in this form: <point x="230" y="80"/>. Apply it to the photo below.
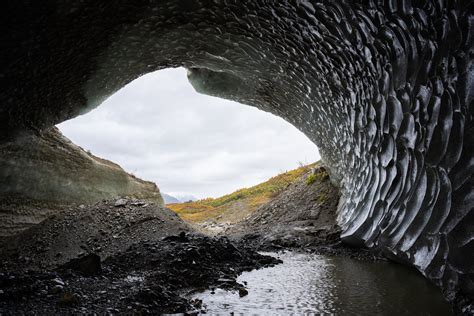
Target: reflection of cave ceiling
<point x="382" y="87"/>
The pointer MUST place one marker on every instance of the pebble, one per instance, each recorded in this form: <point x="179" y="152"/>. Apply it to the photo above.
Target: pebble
<point x="243" y="292"/>
<point x="120" y="202"/>
<point x="57" y="289"/>
<point x="57" y="281"/>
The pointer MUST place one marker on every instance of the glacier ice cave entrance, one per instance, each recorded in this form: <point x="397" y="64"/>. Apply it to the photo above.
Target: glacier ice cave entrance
<point x="383" y="88"/>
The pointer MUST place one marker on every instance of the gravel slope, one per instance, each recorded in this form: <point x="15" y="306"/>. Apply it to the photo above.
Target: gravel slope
<point x="101" y="228"/>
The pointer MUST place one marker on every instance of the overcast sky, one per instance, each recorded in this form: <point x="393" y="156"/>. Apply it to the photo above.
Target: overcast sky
<point x="160" y="129"/>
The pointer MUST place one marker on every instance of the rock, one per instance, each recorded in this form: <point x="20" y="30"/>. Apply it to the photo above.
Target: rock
<point x="87" y="265"/>
<point x="224" y="280"/>
<point x="181" y="238"/>
<point x="68" y="299"/>
<point x="57" y="282"/>
<point x="57" y="289"/>
<point x="121" y="202"/>
<point x="243" y="292"/>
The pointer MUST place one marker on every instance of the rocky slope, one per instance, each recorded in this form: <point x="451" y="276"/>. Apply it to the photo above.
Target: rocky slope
<point x="103" y="228"/>
<point x="234" y="207"/>
<point x="302" y="215"/>
<point x="42" y="174"/>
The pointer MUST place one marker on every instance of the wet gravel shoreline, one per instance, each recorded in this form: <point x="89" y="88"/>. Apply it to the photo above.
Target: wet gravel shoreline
<point x="148" y="278"/>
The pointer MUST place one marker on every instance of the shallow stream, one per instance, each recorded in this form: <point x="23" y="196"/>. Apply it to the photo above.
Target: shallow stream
<point x="311" y="284"/>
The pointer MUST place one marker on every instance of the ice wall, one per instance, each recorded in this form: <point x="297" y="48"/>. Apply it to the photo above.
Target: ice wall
<point x="384" y="88"/>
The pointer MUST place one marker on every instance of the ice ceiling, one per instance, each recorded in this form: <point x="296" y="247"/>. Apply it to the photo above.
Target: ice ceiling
<point x="384" y="88"/>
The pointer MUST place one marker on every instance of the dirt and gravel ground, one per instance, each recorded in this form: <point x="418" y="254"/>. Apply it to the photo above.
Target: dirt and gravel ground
<point x="147" y="278"/>
<point x="116" y="256"/>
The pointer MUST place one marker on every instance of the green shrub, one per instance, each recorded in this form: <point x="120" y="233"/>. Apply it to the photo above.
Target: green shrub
<point x="311" y="179"/>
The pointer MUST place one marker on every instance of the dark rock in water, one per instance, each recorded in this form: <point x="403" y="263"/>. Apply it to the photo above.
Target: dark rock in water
<point x="87" y="265"/>
<point x="243" y="292"/>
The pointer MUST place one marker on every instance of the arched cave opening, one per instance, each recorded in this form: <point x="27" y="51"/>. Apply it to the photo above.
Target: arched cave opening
<point x="384" y="88"/>
<point x="158" y="128"/>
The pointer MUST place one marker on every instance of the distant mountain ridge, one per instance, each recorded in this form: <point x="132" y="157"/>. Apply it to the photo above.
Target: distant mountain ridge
<point x="182" y="198"/>
<point x="169" y="198"/>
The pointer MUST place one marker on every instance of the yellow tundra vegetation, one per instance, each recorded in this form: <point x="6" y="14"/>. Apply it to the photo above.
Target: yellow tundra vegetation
<point x="241" y="202"/>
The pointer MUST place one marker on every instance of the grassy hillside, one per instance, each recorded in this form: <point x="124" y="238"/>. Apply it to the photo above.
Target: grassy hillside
<point x="239" y="203"/>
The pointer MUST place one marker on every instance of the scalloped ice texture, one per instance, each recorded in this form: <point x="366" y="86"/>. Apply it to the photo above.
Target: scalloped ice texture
<point x="384" y="88"/>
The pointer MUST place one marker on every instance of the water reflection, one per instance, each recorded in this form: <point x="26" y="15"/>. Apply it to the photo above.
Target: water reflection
<point x="307" y="283"/>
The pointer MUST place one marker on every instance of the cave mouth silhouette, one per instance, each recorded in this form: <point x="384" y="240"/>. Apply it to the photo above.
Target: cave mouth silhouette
<point x="383" y="88"/>
<point x="161" y="130"/>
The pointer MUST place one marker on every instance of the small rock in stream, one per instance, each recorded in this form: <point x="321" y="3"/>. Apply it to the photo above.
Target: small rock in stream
<point x="243" y="292"/>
